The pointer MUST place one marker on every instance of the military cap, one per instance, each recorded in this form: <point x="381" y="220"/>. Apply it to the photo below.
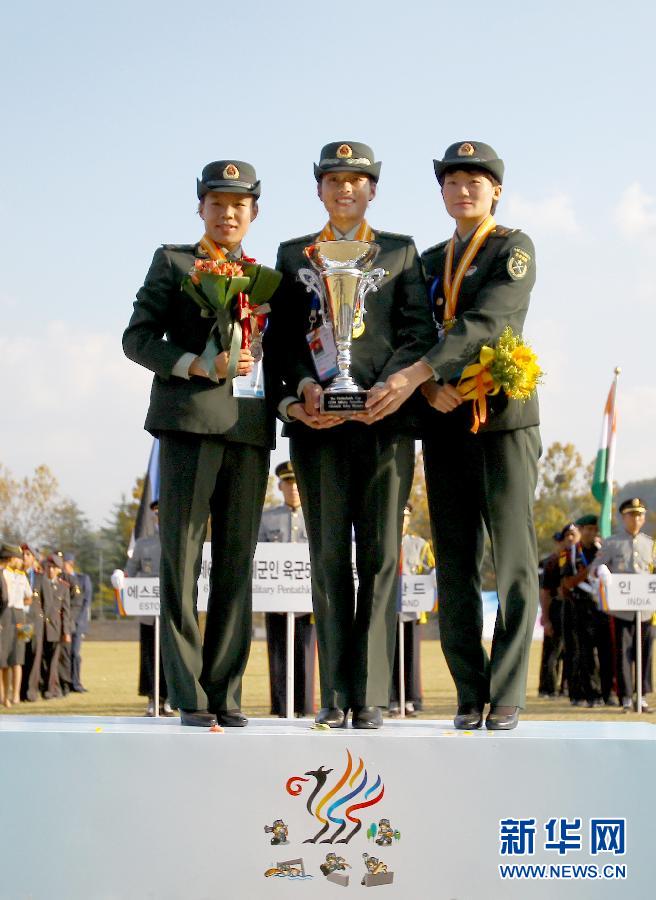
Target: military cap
<point x="9" y="551"/>
<point x="25" y="547"/>
<point x="347" y="156"/>
<point x="589" y="519"/>
<point x="69" y="557"/>
<point x="229" y="175"/>
<point x="469" y="155"/>
<point x="571" y="526"/>
<point x="56" y="559"/>
<point x="557" y="536"/>
<point x="285" y="471"/>
<point x="634" y="505"/>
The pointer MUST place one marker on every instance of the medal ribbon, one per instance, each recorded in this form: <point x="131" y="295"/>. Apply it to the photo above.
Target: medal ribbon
<point x="364" y="233"/>
<point x="212" y="249"/>
<point x="452" y="284"/>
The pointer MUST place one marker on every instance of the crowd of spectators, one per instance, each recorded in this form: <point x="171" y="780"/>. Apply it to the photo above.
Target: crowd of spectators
<point x="589" y="655"/>
<point x="44" y="614"/>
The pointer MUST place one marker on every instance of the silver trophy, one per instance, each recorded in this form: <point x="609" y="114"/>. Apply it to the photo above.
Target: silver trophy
<point x="342" y="278"/>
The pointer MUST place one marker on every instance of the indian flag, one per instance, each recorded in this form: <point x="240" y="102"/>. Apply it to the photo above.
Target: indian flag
<point x="602" y="480"/>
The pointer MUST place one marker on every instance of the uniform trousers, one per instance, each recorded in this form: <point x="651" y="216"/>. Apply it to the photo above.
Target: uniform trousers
<point x="354" y="480"/>
<point x="474" y="482"/>
<point x="625" y="635"/>
<point x="76" y="659"/>
<point x="147" y="664"/>
<point x="203" y="476"/>
<point x="33" y="655"/>
<point x="604" y="632"/>
<point x="553" y="648"/>
<point x="412" y="673"/>
<point x="584" y="681"/>
<point x="65" y="667"/>
<point x="305" y="643"/>
<point x="50" y="669"/>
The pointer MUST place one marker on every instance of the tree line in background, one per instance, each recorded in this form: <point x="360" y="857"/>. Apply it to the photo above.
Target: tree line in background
<point x="34" y="510"/>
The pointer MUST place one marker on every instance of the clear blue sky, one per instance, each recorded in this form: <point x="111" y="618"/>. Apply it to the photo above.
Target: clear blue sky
<point x="111" y="111"/>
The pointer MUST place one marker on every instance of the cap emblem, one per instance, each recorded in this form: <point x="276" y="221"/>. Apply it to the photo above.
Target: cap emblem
<point x="466" y="150"/>
<point x="231" y="171"/>
<point x="344" y="152"/>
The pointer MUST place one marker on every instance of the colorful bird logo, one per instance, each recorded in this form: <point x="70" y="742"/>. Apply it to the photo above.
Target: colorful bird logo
<point x="338" y="804"/>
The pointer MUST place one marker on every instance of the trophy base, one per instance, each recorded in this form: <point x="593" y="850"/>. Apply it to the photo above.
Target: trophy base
<point x="344" y="403"/>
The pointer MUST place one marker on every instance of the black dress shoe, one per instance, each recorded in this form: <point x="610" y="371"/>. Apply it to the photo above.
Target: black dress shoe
<point x="468" y="717"/>
<point x="502" y="718"/>
<point x="332" y="716"/>
<point x="79" y="689"/>
<point x="200" y="718"/>
<point x="231" y="718"/>
<point x="367" y="717"/>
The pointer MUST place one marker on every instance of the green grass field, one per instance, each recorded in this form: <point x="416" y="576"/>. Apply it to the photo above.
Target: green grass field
<point x="109" y="671"/>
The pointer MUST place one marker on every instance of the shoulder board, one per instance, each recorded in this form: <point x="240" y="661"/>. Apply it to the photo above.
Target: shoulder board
<point x="181" y="248"/>
<point x="502" y="232"/>
<point x="436" y="248"/>
<point x="304" y="239"/>
<point x="406" y="238"/>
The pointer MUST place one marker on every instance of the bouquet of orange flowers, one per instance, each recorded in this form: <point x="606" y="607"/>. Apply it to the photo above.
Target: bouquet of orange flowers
<point x="236" y="295"/>
<point x="511" y="366"/>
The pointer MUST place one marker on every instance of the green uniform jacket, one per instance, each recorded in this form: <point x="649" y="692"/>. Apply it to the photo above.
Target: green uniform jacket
<point x="197" y="405"/>
<point x="490" y="298"/>
<point x="398" y="324"/>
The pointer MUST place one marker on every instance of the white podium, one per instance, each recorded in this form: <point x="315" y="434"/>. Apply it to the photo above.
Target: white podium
<point x="96" y="808"/>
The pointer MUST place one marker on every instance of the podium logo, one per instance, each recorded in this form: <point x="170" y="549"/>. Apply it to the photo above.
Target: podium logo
<point x="335" y="800"/>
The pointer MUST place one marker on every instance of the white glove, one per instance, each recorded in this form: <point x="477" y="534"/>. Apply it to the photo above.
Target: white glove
<point x="117" y="579"/>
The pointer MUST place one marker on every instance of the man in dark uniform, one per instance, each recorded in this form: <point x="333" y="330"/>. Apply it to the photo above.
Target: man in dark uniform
<point x="630" y="550"/>
<point x="480" y="282"/>
<point x="70" y="659"/>
<point x="285" y="524"/>
<point x="214" y="457"/>
<point x="552" y="621"/>
<point x="602" y="625"/>
<point x="582" y="671"/>
<point x="55" y="597"/>
<point x="354" y="477"/>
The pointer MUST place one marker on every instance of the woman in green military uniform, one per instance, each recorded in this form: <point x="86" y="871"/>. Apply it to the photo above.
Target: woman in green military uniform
<point x="480" y="283"/>
<point x="214" y="456"/>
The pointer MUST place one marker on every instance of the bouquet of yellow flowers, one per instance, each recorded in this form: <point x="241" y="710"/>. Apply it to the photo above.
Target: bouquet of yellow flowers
<point x="511" y="366"/>
<point x="236" y="295"/>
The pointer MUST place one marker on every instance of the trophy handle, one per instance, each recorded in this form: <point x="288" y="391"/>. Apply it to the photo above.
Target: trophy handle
<point x="369" y="283"/>
<point x="310" y="280"/>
